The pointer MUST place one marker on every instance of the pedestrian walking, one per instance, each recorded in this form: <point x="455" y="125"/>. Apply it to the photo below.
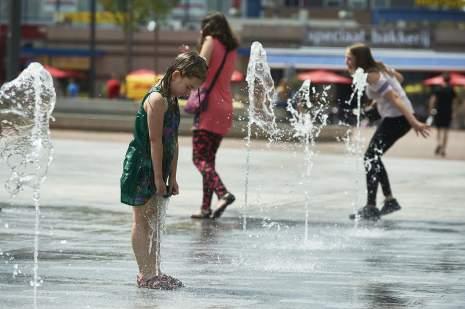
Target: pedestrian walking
<point x="441" y="107"/>
<point x="218" y="46"/>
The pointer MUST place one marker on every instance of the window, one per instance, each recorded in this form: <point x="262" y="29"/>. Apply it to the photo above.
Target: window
<point x="380" y="4"/>
<point x="358" y="4"/>
<point x="292" y="3"/>
<point x="333" y="3"/>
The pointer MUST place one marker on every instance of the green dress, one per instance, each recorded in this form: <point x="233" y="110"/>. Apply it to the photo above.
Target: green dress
<point x="137" y="180"/>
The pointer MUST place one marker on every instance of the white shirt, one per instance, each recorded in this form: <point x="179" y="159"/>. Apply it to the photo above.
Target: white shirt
<point x="377" y="91"/>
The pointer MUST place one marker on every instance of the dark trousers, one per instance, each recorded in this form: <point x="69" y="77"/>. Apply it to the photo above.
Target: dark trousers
<point x="387" y="133"/>
<point x="205" y="145"/>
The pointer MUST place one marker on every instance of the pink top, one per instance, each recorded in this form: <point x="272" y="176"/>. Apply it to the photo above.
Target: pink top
<point x="218" y="116"/>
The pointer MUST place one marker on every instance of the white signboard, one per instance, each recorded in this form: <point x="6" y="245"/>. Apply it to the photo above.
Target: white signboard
<point x="374" y="36"/>
<point x="399" y="37"/>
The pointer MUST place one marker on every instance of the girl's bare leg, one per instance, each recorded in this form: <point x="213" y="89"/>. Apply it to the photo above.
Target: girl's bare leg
<point x="146" y="243"/>
<point x="140" y="237"/>
<point x="156" y="222"/>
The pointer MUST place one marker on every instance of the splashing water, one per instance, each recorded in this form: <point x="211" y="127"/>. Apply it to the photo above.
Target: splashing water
<point x="355" y="146"/>
<point x="359" y="83"/>
<point x="157" y="225"/>
<point x="261" y="93"/>
<point x="308" y="117"/>
<point x="260" y="112"/>
<point x="26" y="105"/>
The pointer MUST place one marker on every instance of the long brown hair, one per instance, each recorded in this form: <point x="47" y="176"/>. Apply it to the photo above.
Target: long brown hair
<point x="189" y="64"/>
<point x="364" y="59"/>
<point x="216" y="25"/>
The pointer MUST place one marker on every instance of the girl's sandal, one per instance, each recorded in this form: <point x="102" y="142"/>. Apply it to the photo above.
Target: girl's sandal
<point x="162" y="282"/>
<point x="226" y="200"/>
<point x="202" y="215"/>
<point x="175" y="283"/>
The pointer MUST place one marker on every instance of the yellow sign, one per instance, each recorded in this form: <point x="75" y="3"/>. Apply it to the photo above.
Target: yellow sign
<point x="138" y="85"/>
<point x="100" y="17"/>
<point x="70" y="63"/>
<point x="66" y="63"/>
<point x="414" y="88"/>
<point x="453" y="4"/>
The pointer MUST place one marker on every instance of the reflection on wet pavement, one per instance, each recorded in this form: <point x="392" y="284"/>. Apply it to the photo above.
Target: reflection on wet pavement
<point x="86" y="262"/>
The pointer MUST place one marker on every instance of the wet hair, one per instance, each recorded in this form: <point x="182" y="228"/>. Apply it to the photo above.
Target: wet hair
<point x="364" y="59"/>
<point x="190" y="64"/>
<point x="216" y="25"/>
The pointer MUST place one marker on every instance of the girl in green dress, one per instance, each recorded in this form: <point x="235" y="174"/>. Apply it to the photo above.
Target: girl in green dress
<point x="149" y="168"/>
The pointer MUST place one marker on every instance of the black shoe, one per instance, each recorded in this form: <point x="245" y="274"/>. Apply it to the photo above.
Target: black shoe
<point x="366" y="213"/>
<point x="202" y="215"/>
<point x="389" y="207"/>
<point x="226" y="200"/>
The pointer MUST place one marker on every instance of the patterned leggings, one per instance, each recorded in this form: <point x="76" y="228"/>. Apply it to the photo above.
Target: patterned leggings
<point x="205" y="145"/>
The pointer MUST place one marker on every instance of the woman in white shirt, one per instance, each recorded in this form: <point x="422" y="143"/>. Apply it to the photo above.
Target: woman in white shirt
<point x="398" y="117"/>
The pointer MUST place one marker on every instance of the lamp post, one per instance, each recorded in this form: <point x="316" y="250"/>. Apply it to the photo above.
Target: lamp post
<point x="342" y="15"/>
<point x="186" y="18"/>
<point x="128" y="34"/>
<point x="92" y="74"/>
<point x="153" y="27"/>
<point x="13" y="39"/>
<point x="57" y="10"/>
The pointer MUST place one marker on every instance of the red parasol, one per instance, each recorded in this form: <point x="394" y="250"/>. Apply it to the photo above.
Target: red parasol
<point x="455" y="80"/>
<point x="324" y="77"/>
<point x="143" y="72"/>
<point x="57" y="73"/>
<point x="237" y="76"/>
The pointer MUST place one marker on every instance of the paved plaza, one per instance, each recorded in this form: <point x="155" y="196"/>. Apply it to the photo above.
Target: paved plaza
<point x="411" y="259"/>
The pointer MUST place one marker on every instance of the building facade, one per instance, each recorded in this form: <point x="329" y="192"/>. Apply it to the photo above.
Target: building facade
<point x="422" y="36"/>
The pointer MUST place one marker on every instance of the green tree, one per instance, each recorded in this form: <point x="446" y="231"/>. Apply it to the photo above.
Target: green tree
<point x="131" y="13"/>
<point x="140" y="11"/>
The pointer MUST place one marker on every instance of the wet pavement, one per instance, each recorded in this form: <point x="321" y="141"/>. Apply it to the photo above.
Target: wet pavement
<point x="411" y="259"/>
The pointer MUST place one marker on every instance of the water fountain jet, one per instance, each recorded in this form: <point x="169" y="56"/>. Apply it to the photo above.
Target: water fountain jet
<point x="26" y="105"/>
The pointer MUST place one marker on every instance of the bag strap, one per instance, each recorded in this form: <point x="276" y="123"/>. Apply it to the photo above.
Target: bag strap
<point x="217" y="74"/>
<point x="207" y="92"/>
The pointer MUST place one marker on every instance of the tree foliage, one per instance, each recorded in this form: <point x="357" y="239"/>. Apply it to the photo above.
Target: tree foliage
<point x="141" y="10"/>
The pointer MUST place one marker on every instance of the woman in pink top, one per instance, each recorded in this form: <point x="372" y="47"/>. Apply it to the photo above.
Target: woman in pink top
<point x="217" y="40"/>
